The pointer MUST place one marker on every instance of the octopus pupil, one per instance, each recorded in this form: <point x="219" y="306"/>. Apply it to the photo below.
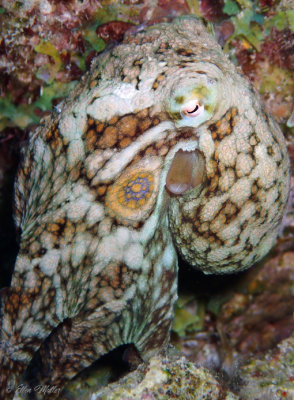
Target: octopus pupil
<point x="195" y="109"/>
<point x="137" y="189"/>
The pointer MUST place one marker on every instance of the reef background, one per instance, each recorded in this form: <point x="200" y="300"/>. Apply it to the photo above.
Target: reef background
<point x="239" y="326"/>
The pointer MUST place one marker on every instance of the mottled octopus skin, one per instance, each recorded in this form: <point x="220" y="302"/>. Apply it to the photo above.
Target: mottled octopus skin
<point x="99" y="230"/>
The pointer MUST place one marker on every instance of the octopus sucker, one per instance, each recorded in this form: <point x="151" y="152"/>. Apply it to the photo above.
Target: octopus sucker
<point x="174" y="159"/>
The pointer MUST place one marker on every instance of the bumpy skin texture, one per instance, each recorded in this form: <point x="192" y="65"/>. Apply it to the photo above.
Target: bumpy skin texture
<point x="99" y="228"/>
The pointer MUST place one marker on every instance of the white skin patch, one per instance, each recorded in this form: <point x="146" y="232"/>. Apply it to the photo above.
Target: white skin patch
<point x="218" y="254"/>
<point x="95" y="161"/>
<point x="71" y="126"/>
<point x="79" y="249"/>
<point x="142" y="283"/>
<point x="227" y="152"/>
<point x="244" y="164"/>
<point x="32" y="329"/>
<point x="63" y="194"/>
<point x="156" y="293"/>
<point x="123" y="99"/>
<point x="50" y="261"/>
<point x="206" y="144"/>
<point x="109" y="249"/>
<point x="267" y="167"/>
<point x="133" y="256"/>
<point x="247" y="211"/>
<point x="123" y="235"/>
<point x="162" y="301"/>
<point x="231" y="231"/>
<point x="76" y="152"/>
<point x="95" y="214"/>
<point x="77" y="210"/>
<point x="241" y="191"/>
<point x="169" y="257"/>
<point x="212" y="207"/>
<point x="31" y="280"/>
<point x="23" y="264"/>
<point x="158" y="268"/>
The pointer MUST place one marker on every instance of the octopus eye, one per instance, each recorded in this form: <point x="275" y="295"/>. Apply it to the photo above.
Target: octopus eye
<point x="192" y="109"/>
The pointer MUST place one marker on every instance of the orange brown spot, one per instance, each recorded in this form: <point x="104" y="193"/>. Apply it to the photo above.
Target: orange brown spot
<point x="127" y="125"/>
<point x="109" y="138"/>
<point x="99" y="127"/>
<point x="125" y="142"/>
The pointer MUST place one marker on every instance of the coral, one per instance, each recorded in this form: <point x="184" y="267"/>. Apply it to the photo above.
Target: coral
<point x="260" y="315"/>
<point x="167" y="378"/>
<point x="270" y="377"/>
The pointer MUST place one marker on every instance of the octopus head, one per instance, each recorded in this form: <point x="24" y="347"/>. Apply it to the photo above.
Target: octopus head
<point x="227" y="192"/>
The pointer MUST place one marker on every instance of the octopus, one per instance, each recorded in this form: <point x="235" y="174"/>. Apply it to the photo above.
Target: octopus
<point x="162" y="150"/>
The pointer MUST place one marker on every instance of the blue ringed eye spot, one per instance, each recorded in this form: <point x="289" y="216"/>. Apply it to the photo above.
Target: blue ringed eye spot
<point x="137" y="189"/>
<point x="132" y="197"/>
